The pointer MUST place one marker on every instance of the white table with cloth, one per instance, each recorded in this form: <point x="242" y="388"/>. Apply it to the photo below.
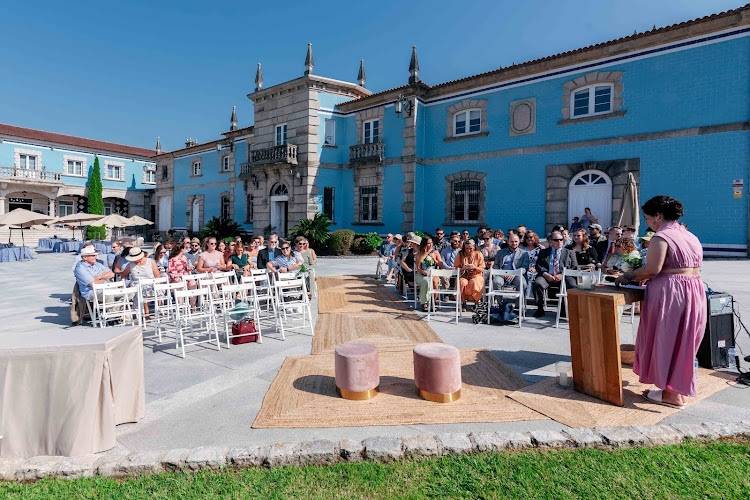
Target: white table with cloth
<point x="64" y="392"/>
<point x="13" y="254"/>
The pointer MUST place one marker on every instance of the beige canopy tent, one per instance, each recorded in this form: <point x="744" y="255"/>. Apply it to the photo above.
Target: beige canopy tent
<point x="20" y="218"/>
<point x="630" y="214"/>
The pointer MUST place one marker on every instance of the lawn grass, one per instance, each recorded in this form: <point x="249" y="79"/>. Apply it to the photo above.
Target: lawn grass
<point x="706" y="470"/>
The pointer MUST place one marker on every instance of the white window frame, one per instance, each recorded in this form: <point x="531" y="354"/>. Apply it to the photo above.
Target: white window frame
<point x="72" y="171"/>
<point x="329" y="139"/>
<point x="280" y="134"/>
<point x="467" y="131"/>
<point x="372" y="204"/>
<point x="149" y="175"/>
<point x="369" y="137"/>
<point x="225" y="164"/>
<point x="592" y="99"/>
<point x="65" y="207"/>
<point x="24" y="160"/>
<point x="196" y="169"/>
<point x="119" y="166"/>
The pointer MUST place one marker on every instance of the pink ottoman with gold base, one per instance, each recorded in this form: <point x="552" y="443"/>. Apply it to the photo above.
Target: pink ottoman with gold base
<point x="437" y="372"/>
<point x="357" y="370"/>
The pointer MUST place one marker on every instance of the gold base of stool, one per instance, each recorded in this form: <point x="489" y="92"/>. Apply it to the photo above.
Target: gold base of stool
<point x="439" y="398"/>
<point x="357" y="395"/>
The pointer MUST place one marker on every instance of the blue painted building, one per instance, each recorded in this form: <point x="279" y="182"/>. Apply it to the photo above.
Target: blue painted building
<point x="533" y="143"/>
<point x="47" y="172"/>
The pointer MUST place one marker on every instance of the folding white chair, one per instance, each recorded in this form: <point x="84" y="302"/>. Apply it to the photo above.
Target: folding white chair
<point x="117" y="305"/>
<point x="230" y="275"/>
<point x="292" y="275"/>
<point x="146" y="297"/>
<point x="198" y="320"/>
<point x="195" y="277"/>
<point x="562" y="297"/>
<point x="264" y="295"/>
<point x="165" y="307"/>
<point x="498" y="288"/>
<point x="96" y="300"/>
<point x="293" y="304"/>
<point x="233" y="312"/>
<point x="450" y="278"/>
<point x="382" y="268"/>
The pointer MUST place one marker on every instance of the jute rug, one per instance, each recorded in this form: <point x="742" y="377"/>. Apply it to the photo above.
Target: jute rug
<point x="575" y="409"/>
<point x="357" y="308"/>
<point x="303" y="394"/>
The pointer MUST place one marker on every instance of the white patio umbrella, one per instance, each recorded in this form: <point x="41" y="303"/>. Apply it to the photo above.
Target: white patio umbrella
<point x="79" y="219"/>
<point x="137" y="220"/>
<point x="113" y="221"/>
<point x="630" y="214"/>
<point x="20" y="218"/>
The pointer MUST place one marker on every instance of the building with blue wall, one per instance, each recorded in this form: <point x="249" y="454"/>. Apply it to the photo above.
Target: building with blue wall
<point x="47" y="172"/>
<point x="533" y="143"/>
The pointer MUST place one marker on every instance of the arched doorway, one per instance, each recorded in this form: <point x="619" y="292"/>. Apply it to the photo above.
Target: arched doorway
<point x="28" y="200"/>
<point x="279" y="208"/>
<point x="592" y="189"/>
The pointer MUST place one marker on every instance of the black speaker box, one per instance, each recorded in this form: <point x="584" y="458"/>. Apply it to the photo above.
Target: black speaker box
<point x="719" y="336"/>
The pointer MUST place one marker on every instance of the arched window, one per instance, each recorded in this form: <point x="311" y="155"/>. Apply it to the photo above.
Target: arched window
<point x="279" y="190"/>
<point x="466" y="200"/>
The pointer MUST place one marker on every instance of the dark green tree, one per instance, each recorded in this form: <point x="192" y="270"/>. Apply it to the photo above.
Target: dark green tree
<point x="96" y="202"/>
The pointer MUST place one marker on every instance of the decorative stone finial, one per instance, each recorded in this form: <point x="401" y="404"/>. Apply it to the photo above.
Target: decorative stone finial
<point x="233" y="119"/>
<point x="361" y="73"/>
<point x="413" y="66"/>
<point x="258" y="78"/>
<point x="158" y="145"/>
<point x="309" y="59"/>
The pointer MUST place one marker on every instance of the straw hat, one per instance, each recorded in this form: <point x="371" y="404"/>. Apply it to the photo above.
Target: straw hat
<point x="135" y="254"/>
<point x="88" y="250"/>
<point x="417" y="240"/>
<point x="397" y="236"/>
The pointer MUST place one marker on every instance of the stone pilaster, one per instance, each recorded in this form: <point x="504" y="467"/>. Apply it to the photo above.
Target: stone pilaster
<point x="409" y="168"/>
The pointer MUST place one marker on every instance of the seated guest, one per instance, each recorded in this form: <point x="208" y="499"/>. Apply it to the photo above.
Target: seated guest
<point x="465" y="236"/>
<point x="521" y="231"/>
<point x="161" y="258"/>
<point x="511" y="258"/>
<point x="532" y="246"/>
<point x="575" y="225"/>
<point x="625" y="254"/>
<point x="645" y="242"/>
<point x="596" y="237"/>
<point x="393" y="258"/>
<point x="269" y="253"/>
<point x="471" y="263"/>
<point x="549" y="267"/>
<point x="386" y="248"/>
<point x="211" y="260"/>
<point x="606" y="248"/>
<point x="193" y="252"/>
<point x="309" y="257"/>
<point x="90" y="271"/>
<point x="499" y="237"/>
<point x="141" y="267"/>
<point x="179" y="265"/>
<point x="240" y="260"/>
<point x="488" y="248"/>
<point x="122" y="265"/>
<point x="440" y="241"/>
<point x="286" y="262"/>
<point x="427" y="258"/>
<point x="408" y="256"/>
<point x="112" y="256"/>
<point x="585" y="254"/>
<point x="448" y="255"/>
<point x="252" y="252"/>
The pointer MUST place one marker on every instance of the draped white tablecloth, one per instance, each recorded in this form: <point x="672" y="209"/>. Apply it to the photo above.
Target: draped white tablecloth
<point x="64" y="393"/>
<point x="12" y="254"/>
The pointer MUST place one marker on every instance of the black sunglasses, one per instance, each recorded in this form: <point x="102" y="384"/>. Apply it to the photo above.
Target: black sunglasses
<point x="557" y="239"/>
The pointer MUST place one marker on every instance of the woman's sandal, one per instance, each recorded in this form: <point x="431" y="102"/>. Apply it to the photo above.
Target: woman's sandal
<point x="655" y="396"/>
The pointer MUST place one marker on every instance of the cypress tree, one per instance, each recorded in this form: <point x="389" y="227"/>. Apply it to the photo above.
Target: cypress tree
<point x="95" y="200"/>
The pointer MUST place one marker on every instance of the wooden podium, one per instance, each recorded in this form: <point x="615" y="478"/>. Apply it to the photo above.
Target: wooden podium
<point x="595" y="339"/>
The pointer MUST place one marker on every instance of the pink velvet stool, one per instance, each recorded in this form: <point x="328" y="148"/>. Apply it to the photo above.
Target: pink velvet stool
<point x="437" y="372"/>
<point x="357" y="370"/>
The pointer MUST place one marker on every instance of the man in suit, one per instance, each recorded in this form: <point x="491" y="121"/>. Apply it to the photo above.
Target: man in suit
<point x="269" y="253"/>
<point x="550" y="265"/>
<point x="606" y="249"/>
<point x="510" y="258"/>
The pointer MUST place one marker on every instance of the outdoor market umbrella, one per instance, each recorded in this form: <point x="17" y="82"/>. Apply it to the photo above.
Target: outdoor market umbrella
<point x="630" y="212"/>
<point x="137" y="220"/>
<point x="114" y="221"/>
<point x="20" y="218"/>
<point x="79" y="219"/>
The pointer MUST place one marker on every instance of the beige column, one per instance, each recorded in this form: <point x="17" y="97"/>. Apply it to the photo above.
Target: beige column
<point x="51" y="207"/>
<point x="2" y="205"/>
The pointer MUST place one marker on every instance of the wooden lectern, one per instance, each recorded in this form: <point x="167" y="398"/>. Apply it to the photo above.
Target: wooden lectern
<point x="595" y="339"/>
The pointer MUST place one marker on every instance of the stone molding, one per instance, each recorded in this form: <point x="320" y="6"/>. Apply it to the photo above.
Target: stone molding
<point x="229" y="194"/>
<point x="514" y="126"/>
<point x="480" y="104"/>
<point x="367" y="115"/>
<point x="376" y="448"/>
<point x="199" y="159"/>
<point x="367" y="176"/>
<point x="17" y="152"/>
<point x="200" y="198"/>
<point x="464" y="175"/>
<point x="613" y="77"/>
<point x="84" y="165"/>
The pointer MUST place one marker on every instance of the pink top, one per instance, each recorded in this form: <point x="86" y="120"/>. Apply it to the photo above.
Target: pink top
<point x="177" y="267"/>
<point x="685" y="249"/>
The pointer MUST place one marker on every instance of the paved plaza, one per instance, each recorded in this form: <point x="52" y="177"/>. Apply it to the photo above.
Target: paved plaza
<point x="211" y="398"/>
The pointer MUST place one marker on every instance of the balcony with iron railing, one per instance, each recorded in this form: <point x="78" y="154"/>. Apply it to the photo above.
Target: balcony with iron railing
<point x="285" y="153"/>
<point x="373" y="152"/>
<point x="30" y="175"/>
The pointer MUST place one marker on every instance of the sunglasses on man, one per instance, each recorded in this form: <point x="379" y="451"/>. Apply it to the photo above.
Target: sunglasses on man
<point x="557" y="239"/>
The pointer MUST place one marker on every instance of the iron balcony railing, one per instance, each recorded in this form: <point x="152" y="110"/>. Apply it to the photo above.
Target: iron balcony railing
<point x="28" y="174"/>
<point x="361" y="153"/>
<point x="286" y="153"/>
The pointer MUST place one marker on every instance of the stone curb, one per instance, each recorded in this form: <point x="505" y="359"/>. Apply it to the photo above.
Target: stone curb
<point x="379" y="448"/>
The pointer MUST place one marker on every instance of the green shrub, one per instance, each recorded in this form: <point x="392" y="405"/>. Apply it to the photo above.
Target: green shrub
<point x="340" y="241"/>
<point x="365" y="244"/>
<point x="220" y="228"/>
<point x="315" y="230"/>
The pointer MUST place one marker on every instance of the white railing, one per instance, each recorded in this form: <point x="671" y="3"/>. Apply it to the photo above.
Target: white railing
<point x="34" y="175"/>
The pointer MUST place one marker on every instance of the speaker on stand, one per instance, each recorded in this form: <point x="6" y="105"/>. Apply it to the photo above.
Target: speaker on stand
<point x="717" y="347"/>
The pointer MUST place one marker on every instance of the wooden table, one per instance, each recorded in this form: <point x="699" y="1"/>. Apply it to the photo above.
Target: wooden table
<point x="595" y="339"/>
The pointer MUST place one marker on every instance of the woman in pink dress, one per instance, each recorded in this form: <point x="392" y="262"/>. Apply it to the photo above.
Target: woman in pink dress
<point x="673" y="311"/>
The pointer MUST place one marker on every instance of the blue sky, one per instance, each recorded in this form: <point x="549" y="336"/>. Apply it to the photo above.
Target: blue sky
<point x="131" y="70"/>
